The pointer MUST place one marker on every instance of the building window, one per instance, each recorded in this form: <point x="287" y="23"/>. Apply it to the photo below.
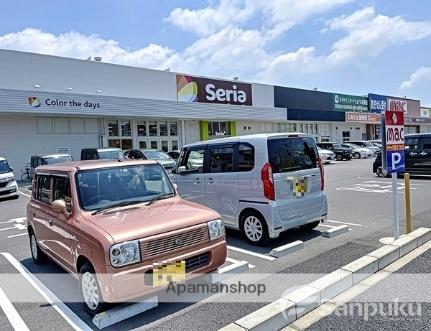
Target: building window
<point x="163" y="128"/>
<point x="173" y="128"/>
<point x="175" y="145"/>
<point x="152" y="127"/>
<point x="165" y="147"/>
<point x="113" y="128"/>
<point x="218" y="129"/>
<point x="142" y="145"/>
<point x="153" y="144"/>
<point x="126" y="144"/>
<point x="141" y="127"/>
<point x="114" y="143"/>
<point x="126" y="129"/>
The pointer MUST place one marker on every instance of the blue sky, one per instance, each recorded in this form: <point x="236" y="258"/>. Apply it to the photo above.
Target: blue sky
<point x="345" y="46"/>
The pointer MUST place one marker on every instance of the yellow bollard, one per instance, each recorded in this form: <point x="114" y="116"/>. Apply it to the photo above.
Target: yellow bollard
<point x="408" y="205"/>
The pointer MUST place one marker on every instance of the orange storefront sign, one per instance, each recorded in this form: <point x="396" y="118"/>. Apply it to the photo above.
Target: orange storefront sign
<point x="363" y="117"/>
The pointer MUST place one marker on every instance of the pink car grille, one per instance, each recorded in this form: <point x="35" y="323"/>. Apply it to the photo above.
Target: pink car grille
<point x="175" y="242"/>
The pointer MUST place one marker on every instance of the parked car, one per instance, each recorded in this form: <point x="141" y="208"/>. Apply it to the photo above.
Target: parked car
<point x="38" y="160"/>
<point x="174" y="154"/>
<point x="103" y="153"/>
<point x="8" y="185"/>
<point x="341" y="153"/>
<point x="359" y="152"/>
<point x="134" y="154"/>
<point x="326" y="155"/>
<point x="377" y="165"/>
<point x="113" y="223"/>
<point x="366" y="144"/>
<point x="377" y="143"/>
<point x="418" y="153"/>
<point x="163" y="158"/>
<point x="261" y="184"/>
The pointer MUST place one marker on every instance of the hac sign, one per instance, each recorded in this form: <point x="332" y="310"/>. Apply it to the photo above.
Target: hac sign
<point x="197" y="89"/>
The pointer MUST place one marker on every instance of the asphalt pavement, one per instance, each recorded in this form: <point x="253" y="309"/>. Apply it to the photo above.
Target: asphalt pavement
<point x="356" y="198"/>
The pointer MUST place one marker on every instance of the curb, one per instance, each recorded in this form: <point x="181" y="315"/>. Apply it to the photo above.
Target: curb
<point x="289" y="308"/>
<point x="287" y="249"/>
<point x="335" y="231"/>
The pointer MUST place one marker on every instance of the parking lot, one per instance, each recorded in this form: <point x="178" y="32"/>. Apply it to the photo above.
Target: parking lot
<point x="356" y="198"/>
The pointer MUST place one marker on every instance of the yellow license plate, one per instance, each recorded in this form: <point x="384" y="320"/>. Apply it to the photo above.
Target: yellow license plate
<point x="299" y="186"/>
<point x="163" y="274"/>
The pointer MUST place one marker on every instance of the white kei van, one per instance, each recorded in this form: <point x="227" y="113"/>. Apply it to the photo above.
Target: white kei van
<point x="8" y="185"/>
<point x="261" y="184"/>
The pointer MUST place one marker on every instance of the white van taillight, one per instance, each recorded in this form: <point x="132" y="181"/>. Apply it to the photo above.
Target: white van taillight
<point x="268" y="182"/>
<point x="322" y="174"/>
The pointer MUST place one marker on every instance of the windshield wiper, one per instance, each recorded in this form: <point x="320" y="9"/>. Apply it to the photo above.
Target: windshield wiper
<point x="118" y="204"/>
<point x="160" y="197"/>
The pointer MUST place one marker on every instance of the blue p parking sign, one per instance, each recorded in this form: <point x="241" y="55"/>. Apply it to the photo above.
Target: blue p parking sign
<point x="395" y="161"/>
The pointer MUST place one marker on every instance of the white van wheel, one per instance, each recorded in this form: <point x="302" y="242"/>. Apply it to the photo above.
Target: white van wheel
<point x="255" y="230"/>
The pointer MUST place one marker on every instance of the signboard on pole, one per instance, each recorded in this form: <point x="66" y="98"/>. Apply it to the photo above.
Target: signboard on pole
<point x="394" y="138"/>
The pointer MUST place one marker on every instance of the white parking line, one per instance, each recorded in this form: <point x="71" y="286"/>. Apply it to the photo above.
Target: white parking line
<point x="28" y="196"/>
<point x="16" y="226"/>
<point x="13" y="221"/>
<point x="11" y="313"/>
<point x="11" y="228"/>
<point x="18" y="235"/>
<point x="346" y="223"/>
<point x="74" y="321"/>
<point x="229" y="259"/>
<point x="262" y="256"/>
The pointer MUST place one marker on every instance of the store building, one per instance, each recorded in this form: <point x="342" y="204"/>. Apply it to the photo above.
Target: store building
<point x="51" y="104"/>
<point x="416" y="119"/>
<point x="327" y="116"/>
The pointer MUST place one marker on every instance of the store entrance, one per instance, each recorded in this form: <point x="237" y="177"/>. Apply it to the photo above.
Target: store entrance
<point x="143" y="134"/>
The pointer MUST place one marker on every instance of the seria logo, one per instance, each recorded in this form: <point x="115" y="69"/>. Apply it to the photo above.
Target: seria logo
<point x="187" y="89"/>
<point x="34" y="102"/>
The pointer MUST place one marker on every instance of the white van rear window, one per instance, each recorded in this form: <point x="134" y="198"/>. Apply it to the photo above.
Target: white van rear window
<point x="292" y="154"/>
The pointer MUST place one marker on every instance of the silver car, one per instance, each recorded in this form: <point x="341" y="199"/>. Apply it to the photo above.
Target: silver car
<point x="326" y="155"/>
<point x="359" y="152"/>
<point x="261" y="184"/>
<point x="163" y="158"/>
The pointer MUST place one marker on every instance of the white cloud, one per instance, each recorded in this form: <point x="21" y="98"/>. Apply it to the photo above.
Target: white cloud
<point x="76" y="45"/>
<point x="229" y="52"/>
<point x="284" y="66"/>
<point x="210" y="19"/>
<point x="369" y="34"/>
<point x="419" y="76"/>
<point x="277" y="16"/>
